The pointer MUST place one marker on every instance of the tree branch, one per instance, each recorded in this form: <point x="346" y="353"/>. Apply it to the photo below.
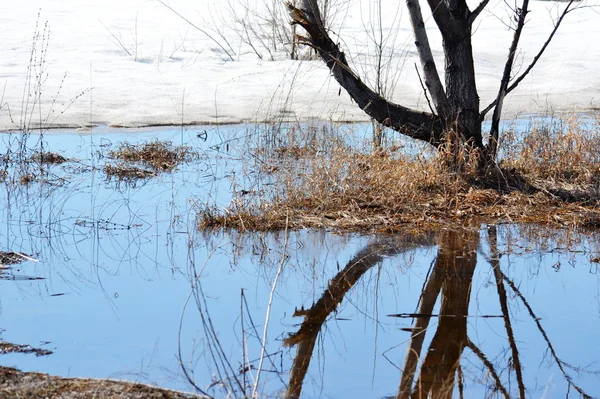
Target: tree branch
<point x="495" y="263"/>
<point x="489" y="366"/>
<point x="424" y="90"/>
<point x="535" y="60"/>
<point x="443" y="18"/>
<point x="432" y="77"/>
<point x="536" y="319"/>
<point x="520" y="14"/>
<point x="217" y="42"/>
<point x="475" y="13"/>
<point x="418" y="125"/>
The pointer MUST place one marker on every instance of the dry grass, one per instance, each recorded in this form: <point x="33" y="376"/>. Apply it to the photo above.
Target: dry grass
<point x="18" y="384"/>
<point x="561" y="157"/>
<point x="7" y="347"/>
<point x="52" y="158"/>
<point x="142" y="161"/>
<point x="26" y="178"/>
<point x="126" y="172"/>
<point x="158" y="155"/>
<point x="550" y="177"/>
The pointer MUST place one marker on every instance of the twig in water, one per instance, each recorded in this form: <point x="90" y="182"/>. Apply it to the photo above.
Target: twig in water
<point x="271" y="295"/>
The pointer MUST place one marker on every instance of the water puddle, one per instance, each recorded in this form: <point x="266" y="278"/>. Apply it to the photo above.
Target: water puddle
<point x="114" y="279"/>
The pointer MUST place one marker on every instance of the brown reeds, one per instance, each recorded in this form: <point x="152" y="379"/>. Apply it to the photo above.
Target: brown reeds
<point x="551" y="176"/>
<point x="126" y="172"/>
<point x="142" y="161"/>
<point x="158" y="155"/>
<point x="48" y="157"/>
<point x="17" y="384"/>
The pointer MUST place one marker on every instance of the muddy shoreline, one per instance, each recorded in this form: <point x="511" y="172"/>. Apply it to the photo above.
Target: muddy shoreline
<point x="15" y="383"/>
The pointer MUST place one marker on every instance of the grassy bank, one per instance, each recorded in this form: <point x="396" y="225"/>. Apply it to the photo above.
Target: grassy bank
<point x="549" y="175"/>
<point x="17" y="384"/>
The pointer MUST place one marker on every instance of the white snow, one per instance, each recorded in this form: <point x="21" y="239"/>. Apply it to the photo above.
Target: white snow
<point x="175" y="73"/>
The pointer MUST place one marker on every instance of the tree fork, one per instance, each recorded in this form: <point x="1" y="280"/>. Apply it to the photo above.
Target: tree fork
<point x="418" y="125"/>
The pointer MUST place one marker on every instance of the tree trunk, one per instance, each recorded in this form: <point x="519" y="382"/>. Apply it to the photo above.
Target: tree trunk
<point x="461" y="90"/>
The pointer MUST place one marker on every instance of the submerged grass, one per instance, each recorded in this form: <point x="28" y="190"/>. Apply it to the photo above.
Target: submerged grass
<point x="46" y="157"/>
<point x="550" y="176"/>
<point x="153" y="157"/>
<point x="126" y="172"/>
<point x="159" y="155"/>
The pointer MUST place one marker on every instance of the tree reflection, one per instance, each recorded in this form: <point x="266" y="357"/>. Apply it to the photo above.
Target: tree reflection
<point x="315" y="317"/>
<point x="452" y="276"/>
<point x="435" y="373"/>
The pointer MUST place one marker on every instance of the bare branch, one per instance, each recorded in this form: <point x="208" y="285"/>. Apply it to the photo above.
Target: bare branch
<point x="432" y="77"/>
<point x="475" y="13"/>
<point x="535" y="59"/>
<point x="218" y="43"/>
<point x="424" y="90"/>
<point x="418" y="125"/>
<point x="536" y="319"/>
<point x="495" y="263"/>
<point x="520" y="15"/>
<point x="489" y="366"/>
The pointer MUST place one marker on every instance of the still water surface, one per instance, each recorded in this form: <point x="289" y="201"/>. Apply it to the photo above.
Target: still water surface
<point x="130" y="289"/>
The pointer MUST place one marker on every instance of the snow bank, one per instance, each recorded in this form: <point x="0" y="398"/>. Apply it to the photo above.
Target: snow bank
<point x="135" y="62"/>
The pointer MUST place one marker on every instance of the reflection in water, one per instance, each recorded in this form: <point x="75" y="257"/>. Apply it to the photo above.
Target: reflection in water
<point x="339" y="286"/>
<point x="452" y="275"/>
<point x="440" y="374"/>
<point x="119" y="264"/>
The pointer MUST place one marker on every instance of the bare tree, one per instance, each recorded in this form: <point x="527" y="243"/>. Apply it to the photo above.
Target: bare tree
<point x="455" y="117"/>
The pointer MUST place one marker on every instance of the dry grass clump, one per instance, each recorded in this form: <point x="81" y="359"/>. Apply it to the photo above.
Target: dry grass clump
<point x="154" y="157"/>
<point x="126" y="172"/>
<point x="47" y="157"/>
<point x="11" y="258"/>
<point x="159" y="155"/>
<point x="559" y="155"/>
<point x="7" y="347"/>
<point x="17" y="384"/>
<point x="384" y="190"/>
<point x="297" y="141"/>
<point x="26" y="179"/>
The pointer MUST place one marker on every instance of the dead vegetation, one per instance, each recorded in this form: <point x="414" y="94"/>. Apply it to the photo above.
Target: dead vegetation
<point x="12" y="258"/>
<point x="141" y="161"/>
<point x="126" y="172"/>
<point x="7" y="347"/>
<point x="551" y="176"/>
<point x="158" y="155"/>
<point x="17" y="384"/>
<point x="46" y="157"/>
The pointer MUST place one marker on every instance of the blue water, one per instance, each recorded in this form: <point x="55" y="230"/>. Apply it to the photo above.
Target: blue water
<point x="127" y="279"/>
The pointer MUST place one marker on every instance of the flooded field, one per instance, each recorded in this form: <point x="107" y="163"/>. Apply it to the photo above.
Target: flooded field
<point x="114" y="279"/>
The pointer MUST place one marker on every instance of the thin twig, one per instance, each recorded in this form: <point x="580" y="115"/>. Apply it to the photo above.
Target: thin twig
<point x="536" y="319"/>
<point x="535" y="60"/>
<point x="271" y="295"/>
<point x="218" y="43"/>
<point x="489" y="366"/>
<point x="119" y="41"/>
<point x="520" y="14"/>
<point x="424" y="90"/>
